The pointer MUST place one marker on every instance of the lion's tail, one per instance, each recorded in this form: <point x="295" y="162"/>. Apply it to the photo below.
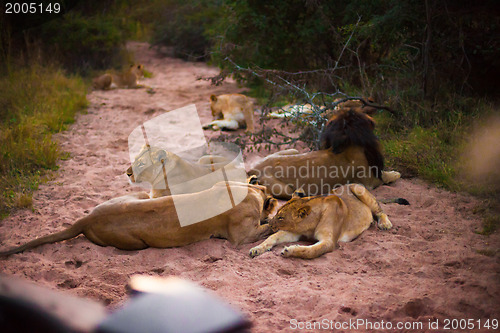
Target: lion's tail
<point x="65" y="234"/>
<point x="399" y="201"/>
<point x="350" y="128"/>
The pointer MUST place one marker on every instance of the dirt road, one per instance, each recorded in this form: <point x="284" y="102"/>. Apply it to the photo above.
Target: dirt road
<point x="431" y="265"/>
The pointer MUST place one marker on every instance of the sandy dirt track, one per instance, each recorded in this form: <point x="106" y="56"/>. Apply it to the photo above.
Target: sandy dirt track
<point x="431" y="265"/>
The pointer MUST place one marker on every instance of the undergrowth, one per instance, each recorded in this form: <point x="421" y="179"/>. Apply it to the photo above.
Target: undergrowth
<point x="434" y="149"/>
<point x="427" y="140"/>
<point x="35" y="103"/>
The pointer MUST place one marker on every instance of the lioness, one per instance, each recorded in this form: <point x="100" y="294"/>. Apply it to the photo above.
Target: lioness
<point x="230" y="112"/>
<point x="339" y="217"/>
<point x="124" y="80"/>
<point x="135" y="222"/>
<point x="163" y="169"/>
<point x="350" y="154"/>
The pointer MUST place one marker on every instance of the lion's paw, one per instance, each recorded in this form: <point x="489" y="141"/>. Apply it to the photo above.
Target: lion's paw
<point x="287" y="251"/>
<point x="256" y="251"/>
<point x="384" y="223"/>
<point x="390" y="176"/>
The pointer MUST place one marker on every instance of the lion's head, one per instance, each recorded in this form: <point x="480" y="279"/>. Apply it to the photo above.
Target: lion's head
<point x="297" y="215"/>
<point x="216" y="108"/>
<point x="149" y="165"/>
<point x="349" y="128"/>
<point x="138" y="70"/>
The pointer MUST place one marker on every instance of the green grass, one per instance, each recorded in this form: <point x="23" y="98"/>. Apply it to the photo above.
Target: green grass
<point x="433" y="150"/>
<point x="147" y="74"/>
<point x="427" y="139"/>
<point x="35" y="103"/>
<point x="424" y="152"/>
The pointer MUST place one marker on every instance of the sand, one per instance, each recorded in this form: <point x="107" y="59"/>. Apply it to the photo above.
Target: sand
<point x="431" y="266"/>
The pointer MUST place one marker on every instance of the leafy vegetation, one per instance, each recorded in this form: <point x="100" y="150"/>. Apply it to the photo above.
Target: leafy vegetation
<point x="433" y="62"/>
<point x="184" y="26"/>
<point x="36" y="102"/>
<point x="37" y="96"/>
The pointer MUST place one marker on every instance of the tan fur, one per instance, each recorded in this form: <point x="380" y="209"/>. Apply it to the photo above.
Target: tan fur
<point x="354" y="105"/>
<point x="294" y="110"/>
<point x="135" y="222"/>
<point x="230" y="112"/>
<point x="127" y="79"/>
<point x="339" y="217"/>
<point x="357" y="105"/>
<point x="308" y="170"/>
<point x="153" y="164"/>
<point x="102" y="82"/>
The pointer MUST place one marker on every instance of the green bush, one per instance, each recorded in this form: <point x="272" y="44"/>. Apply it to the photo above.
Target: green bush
<point x="183" y="26"/>
<point x="35" y="103"/>
<point x="84" y="43"/>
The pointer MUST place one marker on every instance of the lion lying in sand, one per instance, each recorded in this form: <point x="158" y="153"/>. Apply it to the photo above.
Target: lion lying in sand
<point x="127" y="79"/>
<point x="230" y="112"/>
<point x="135" y="222"/>
<point x="163" y="169"/>
<point x="304" y="110"/>
<point x="350" y="153"/>
<point x="339" y="217"/>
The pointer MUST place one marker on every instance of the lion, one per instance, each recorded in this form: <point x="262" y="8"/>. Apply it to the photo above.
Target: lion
<point x="124" y="80"/>
<point x="340" y="216"/>
<point x="350" y="153"/>
<point x="230" y="112"/>
<point x="357" y="105"/>
<point x="163" y="169"/>
<point x="136" y="222"/>
<point x="305" y="110"/>
<point x="294" y="110"/>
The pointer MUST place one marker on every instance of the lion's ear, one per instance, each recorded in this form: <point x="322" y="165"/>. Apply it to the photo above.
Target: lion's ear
<point x="161" y="155"/>
<point x="298" y="194"/>
<point x="253" y="180"/>
<point x="270" y="202"/>
<point x="213" y="98"/>
<point x="303" y="211"/>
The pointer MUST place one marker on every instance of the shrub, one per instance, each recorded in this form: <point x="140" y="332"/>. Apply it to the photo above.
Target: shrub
<point x="184" y="25"/>
<point x="35" y="103"/>
<point x="84" y="43"/>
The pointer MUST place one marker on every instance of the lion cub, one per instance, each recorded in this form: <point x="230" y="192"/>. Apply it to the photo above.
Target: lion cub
<point x="124" y="80"/>
<point x="230" y="112"/>
<point x="339" y="217"/>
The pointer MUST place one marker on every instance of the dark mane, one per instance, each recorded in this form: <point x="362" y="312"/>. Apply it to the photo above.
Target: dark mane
<point x="350" y="128"/>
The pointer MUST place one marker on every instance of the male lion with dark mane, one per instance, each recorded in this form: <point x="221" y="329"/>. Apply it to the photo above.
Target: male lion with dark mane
<point x="339" y="217"/>
<point x="350" y="153"/>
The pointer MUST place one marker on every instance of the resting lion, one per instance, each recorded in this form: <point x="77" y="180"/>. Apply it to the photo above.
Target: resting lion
<point x="163" y="169"/>
<point x="350" y="153"/>
<point x="124" y="80"/>
<point x="294" y="110"/>
<point x="339" y="217"/>
<point x="230" y="112"/>
<point x="135" y="222"/>
<point x="357" y="105"/>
